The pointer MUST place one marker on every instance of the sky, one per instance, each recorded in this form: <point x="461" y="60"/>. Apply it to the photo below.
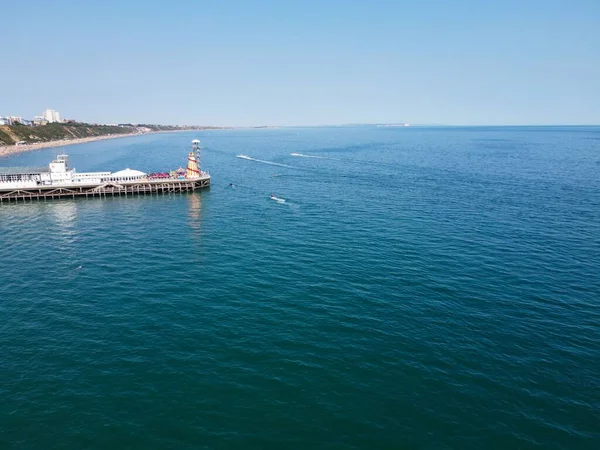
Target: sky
<point x="250" y="62"/>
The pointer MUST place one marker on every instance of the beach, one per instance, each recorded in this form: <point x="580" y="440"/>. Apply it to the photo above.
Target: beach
<point x="9" y="150"/>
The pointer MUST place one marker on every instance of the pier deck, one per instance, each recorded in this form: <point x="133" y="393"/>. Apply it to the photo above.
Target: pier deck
<point x="108" y="189"/>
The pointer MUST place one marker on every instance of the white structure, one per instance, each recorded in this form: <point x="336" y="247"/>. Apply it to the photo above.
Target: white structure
<point x="60" y="174"/>
<point x="51" y="116"/>
<point x="12" y="120"/>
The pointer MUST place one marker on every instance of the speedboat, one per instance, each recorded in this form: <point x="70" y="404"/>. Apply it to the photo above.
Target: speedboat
<point x="277" y="199"/>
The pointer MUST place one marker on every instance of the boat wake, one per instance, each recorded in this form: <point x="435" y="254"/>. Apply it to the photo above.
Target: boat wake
<point x="312" y="156"/>
<point x="271" y="163"/>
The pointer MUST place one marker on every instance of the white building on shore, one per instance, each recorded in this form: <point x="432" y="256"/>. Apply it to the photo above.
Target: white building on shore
<point x="10" y="120"/>
<point x="51" y="116"/>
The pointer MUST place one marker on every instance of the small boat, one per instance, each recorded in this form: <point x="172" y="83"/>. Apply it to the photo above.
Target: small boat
<point x="277" y="199"/>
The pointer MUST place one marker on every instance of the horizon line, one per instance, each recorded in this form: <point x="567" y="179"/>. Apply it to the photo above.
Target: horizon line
<point x="409" y="126"/>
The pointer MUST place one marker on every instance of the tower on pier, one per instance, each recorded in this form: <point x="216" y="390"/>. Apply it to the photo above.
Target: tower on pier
<point x="193" y="165"/>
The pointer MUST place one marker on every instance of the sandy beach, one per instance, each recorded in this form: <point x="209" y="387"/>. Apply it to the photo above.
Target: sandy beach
<point x="9" y="150"/>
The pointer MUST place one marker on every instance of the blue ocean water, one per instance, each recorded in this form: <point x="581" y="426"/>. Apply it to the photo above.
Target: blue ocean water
<point x="426" y="288"/>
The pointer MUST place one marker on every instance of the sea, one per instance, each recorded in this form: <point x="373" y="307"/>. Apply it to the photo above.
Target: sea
<point x="411" y="288"/>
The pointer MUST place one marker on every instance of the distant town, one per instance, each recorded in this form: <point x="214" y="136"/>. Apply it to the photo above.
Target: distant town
<point x="49" y="116"/>
<point x="52" y="116"/>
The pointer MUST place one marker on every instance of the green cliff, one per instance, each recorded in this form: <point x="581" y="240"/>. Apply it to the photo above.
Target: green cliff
<point x="11" y="134"/>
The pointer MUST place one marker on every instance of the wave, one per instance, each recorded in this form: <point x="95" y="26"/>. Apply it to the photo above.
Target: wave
<point x="271" y="163"/>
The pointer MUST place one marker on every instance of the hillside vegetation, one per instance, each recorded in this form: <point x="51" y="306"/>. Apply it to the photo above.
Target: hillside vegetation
<point x="56" y="131"/>
<point x="11" y="134"/>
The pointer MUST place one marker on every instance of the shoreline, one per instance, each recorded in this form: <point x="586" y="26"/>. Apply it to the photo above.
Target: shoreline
<point x="11" y="150"/>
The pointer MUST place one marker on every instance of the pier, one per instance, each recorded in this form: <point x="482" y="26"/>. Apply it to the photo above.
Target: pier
<point x="59" y="180"/>
<point x="105" y="190"/>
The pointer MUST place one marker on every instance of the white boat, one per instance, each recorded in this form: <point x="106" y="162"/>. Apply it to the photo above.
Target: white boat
<point x="277" y="199"/>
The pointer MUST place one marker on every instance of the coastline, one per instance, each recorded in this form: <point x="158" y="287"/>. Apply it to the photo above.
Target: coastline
<point x="10" y="150"/>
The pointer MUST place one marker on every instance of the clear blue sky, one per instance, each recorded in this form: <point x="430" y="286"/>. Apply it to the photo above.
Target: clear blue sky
<point x="247" y="62"/>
